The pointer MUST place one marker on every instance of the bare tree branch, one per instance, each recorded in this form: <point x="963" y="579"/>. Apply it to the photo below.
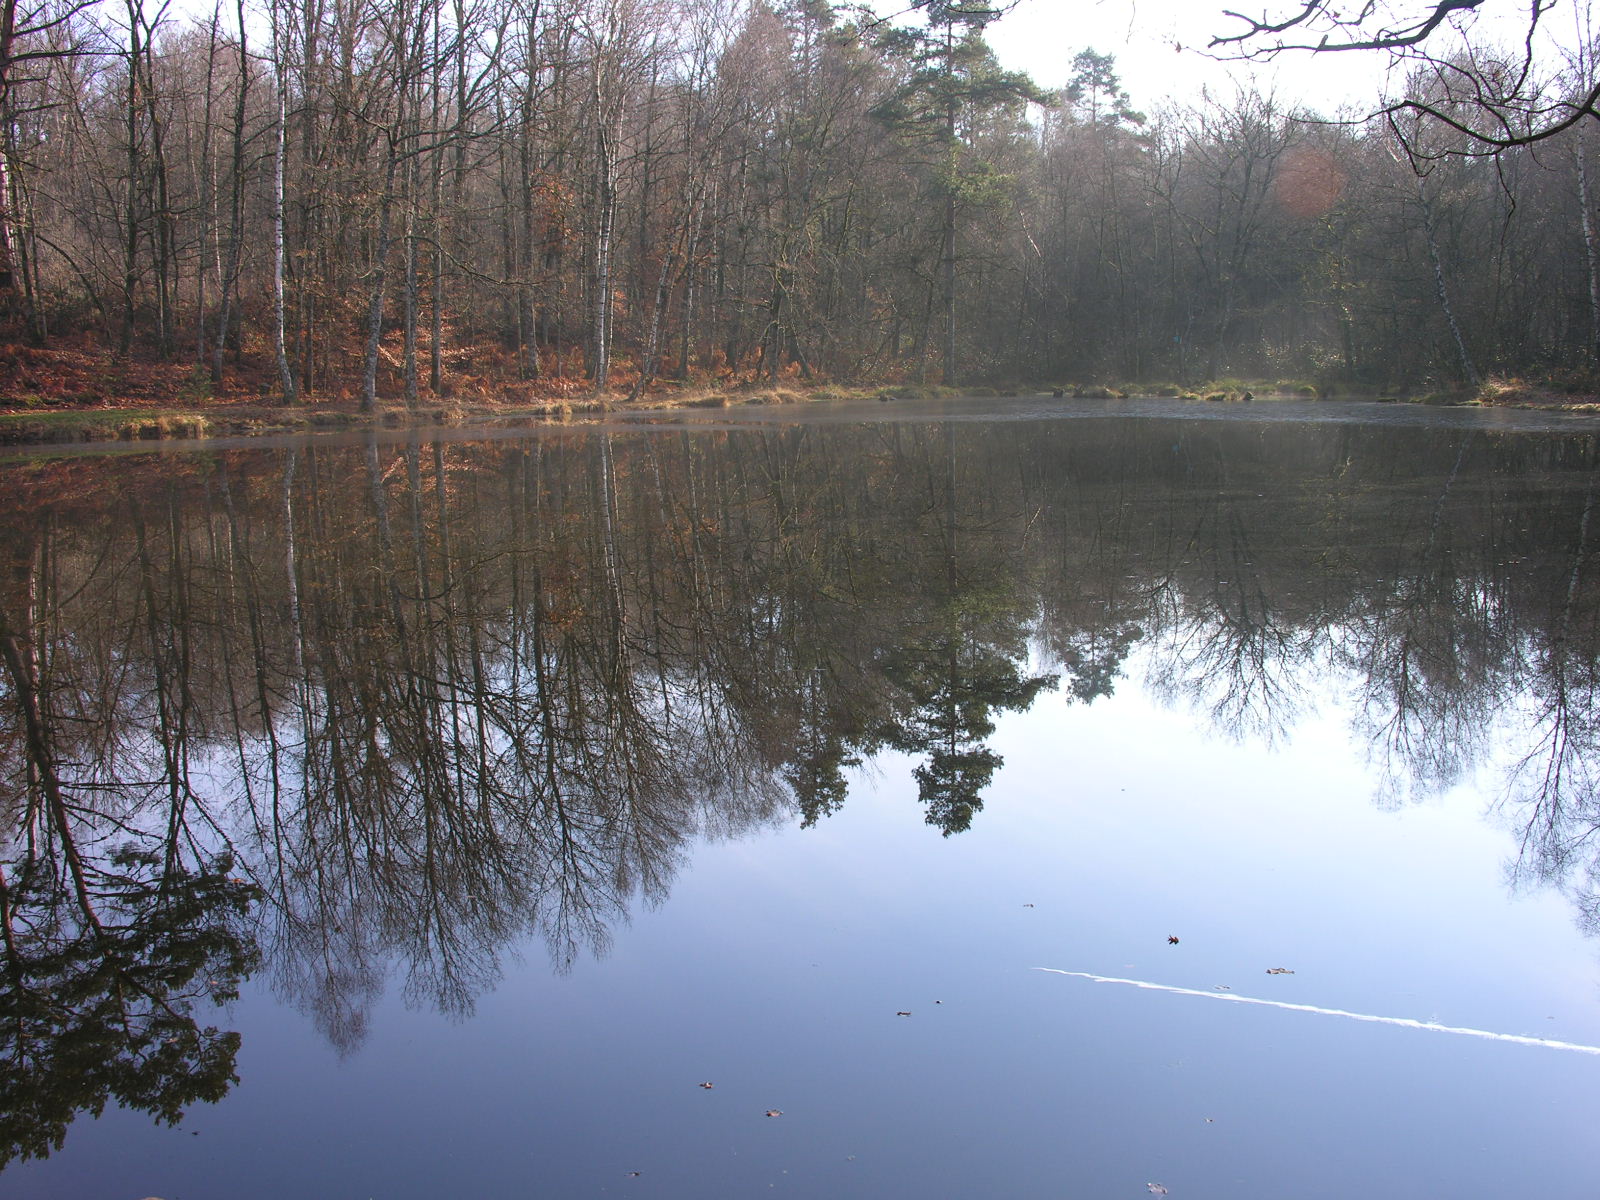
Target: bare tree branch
<point x="1344" y="32"/>
<point x="1493" y="103"/>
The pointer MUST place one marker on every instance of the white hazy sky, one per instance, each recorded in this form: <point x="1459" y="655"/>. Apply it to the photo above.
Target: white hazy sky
<point x="1041" y="36"/>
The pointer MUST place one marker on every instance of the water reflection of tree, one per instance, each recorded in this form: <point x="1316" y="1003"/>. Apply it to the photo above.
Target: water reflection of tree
<point x="115" y="921"/>
<point x="1429" y="646"/>
<point x="1226" y="645"/>
<point x="963" y="655"/>
<point x="438" y="697"/>
<point x="471" y="771"/>
<point x="953" y="679"/>
<point x="1554" y="788"/>
<point x="99" y="997"/>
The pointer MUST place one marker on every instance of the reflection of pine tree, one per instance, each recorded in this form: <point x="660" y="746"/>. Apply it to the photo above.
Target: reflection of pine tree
<point x="951" y="784"/>
<point x="815" y="775"/>
<point x="1094" y="657"/>
<point x="954" y="682"/>
<point x="99" y="1004"/>
<point x="825" y="744"/>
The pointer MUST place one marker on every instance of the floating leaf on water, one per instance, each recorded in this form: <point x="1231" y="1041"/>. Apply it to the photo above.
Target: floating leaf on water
<point x="1279" y="971"/>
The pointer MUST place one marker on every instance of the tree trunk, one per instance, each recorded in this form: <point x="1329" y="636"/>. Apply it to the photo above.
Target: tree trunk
<point x="230" y="273"/>
<point x="1467" y="369"/>
<point x="380" y="271"/>
<point x="279" y="309"/>
<point x="606" y="218"/>
<point x="1591" y="252"/>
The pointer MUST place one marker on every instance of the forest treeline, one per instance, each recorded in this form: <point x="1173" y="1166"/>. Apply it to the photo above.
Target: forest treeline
<point x="399" y="198"/>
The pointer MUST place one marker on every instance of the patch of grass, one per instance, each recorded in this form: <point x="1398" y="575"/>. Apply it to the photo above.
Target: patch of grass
<point x="920" y="391"/>
<point x="20" y="428"/>
<point x="1229" y="387"/>
<point x="1299" y="388"/>
<point x="774" y="396"/>
<point x="1568" y="393"/>
<point x="108" y="425"/>
<point x="31" y="401"/>
<point x="1577" y="383"/>
<point x="185" y="425"/>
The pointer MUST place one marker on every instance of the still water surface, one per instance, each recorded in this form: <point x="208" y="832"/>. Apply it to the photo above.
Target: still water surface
<point x="411" y="818"/>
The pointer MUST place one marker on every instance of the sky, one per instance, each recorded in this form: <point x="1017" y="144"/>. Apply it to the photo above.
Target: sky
<point x="1041" y="36"/>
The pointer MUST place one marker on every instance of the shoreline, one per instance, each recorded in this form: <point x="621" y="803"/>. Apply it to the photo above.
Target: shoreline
<point x="135" y="422"/>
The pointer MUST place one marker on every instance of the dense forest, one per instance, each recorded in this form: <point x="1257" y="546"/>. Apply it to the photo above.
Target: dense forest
<point x="396" y="199"/>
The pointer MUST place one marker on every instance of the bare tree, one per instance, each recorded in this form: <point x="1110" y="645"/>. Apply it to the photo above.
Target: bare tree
<point x="1498" y="100"/>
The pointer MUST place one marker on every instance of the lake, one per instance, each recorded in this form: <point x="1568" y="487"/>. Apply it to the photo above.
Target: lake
<point x="1004" y="798"/>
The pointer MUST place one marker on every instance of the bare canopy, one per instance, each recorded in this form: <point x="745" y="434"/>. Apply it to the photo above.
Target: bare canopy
<point x="1369" y="26"/>
<point x="1493" y="97"/>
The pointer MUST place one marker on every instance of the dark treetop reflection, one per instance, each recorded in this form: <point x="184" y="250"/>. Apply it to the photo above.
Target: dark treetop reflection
<point x="409" y="703"/>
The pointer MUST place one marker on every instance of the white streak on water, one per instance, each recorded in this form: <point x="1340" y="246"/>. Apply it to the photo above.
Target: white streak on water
<point x="1404" y="1022"/>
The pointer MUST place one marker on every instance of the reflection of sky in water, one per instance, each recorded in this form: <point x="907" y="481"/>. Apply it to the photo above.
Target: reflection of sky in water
<point x="777" y="966"/>
<point x="1272" y="817"/>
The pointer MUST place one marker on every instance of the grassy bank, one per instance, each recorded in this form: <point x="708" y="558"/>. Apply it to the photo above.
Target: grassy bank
<point x="63" y="420"/>
<point x="60" y="419"/>
<point x="109" y="421"/>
